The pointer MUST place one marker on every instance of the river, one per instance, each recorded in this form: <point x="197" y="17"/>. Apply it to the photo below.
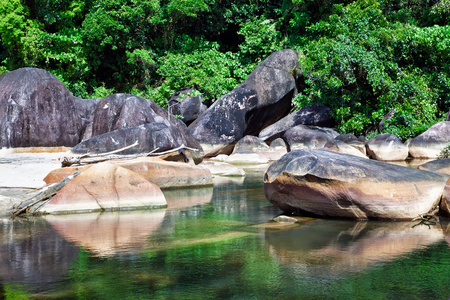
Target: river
<point x="220" y="243"/>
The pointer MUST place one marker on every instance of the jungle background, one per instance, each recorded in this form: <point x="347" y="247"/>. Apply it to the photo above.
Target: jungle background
<point x="361" y="58"/>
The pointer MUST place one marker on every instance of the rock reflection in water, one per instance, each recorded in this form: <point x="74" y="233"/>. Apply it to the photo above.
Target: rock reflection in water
<point x="109" y="233"/>
<point x="332" y="248"/>
<point x="187" y="197"/>
<point x="32" y="253"/>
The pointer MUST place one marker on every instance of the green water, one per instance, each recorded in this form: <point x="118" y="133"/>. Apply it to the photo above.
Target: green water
<point x="219" y="244"/>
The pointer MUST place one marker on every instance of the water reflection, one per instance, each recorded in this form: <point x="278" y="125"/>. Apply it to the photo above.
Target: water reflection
<point x="109" y="233"/>
<point x="32" y="253"/>
<point x="333" y="248"/>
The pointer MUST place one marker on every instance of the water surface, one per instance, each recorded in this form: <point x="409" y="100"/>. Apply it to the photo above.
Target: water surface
<point x="219" y="243"/>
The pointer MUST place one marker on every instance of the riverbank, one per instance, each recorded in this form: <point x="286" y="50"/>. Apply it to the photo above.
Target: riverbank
<point x="22" y="173"/>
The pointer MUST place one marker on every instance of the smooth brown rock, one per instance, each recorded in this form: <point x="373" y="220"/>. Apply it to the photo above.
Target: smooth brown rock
<point x="437" y="165"/>
<point x="105" y="186"/>
<point x="330" y="184"/>
<point x="169" y="174"/>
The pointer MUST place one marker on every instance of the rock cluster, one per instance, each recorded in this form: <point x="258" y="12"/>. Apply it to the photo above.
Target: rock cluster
<point x="316" y="170"/>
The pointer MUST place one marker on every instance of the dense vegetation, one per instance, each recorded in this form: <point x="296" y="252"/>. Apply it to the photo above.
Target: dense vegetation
<point x="362" y="58"/>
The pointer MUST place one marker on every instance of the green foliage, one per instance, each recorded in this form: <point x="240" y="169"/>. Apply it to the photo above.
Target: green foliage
<point x="201" y="65"/>
<point x="445" y="153"/>
<point x="261" y="38"/>
<point x="362" y="58"/>
<point x="355" y="68"/>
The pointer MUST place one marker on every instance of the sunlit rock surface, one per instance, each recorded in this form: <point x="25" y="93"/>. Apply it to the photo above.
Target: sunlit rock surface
<point x="105" y="186"/>
<point x="430" y="143"/>
<point x="336" y="185"/>
<point x="386" y="147"/>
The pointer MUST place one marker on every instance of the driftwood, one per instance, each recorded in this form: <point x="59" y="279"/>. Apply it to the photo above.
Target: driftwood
<point x="427" y="219"/>
<point x="33" y="204"/>
<point x="96" y="158"/>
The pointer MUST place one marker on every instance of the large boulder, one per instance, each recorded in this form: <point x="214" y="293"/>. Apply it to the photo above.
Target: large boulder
<point x="308" y="137"/>
<point x="162" y="173"/>
<point x="386" y="147"/>
<point x="36" y="109"/>
<point x="314" y="115"/>
<point x="430" y="143"/>
<point x="119" y="111"/>
<point x="260" y="100"/>
<point x="445" y="202"/>
<point x="157" y="136"/>
<point x="86" y="108"/>
<point x="330" y="184"/>
<point x="341" y="147"/>
<point x="183" y="103"/>
<point x="122" y="119"/>
<point x="105" y="186"/>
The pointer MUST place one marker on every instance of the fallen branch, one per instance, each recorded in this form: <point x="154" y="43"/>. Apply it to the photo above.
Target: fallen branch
<point x="46" y="193"/>
<point x="96" y="158"/>
<point x="427" y="219"/>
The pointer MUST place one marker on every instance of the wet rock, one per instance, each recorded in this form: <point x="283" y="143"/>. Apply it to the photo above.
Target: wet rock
<point x="438" y="165"/>
<point x="330" y="184"/>
<point x="430" y="143"/>
<point x="260" y="100"/>
<point x="308" y="137"/>
<point x="314" y="115"/>
<point x="386" y="147"/>
<point x="105" y="186"/>
<point x="37" y="110"/>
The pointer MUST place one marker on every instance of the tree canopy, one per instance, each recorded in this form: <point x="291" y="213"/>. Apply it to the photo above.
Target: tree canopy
<point x="362" y="58"/>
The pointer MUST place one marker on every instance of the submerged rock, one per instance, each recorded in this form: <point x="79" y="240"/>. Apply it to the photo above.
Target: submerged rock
<point x="330" y="184"/>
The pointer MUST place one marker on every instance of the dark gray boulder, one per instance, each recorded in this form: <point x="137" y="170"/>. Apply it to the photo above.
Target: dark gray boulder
<point x="430" y="143"/>
<point x="260" y="100"/>
<point x="314" y="115"/>
<point x="386" y="147"/>
<point x="156" y="136"/>
<point x="308" y="137"/>
<point x="331" y="184"/>
<point x="189" y="107"/>
<point x="37" y="110"/>
<point x="86" y="108"/>
<point x="119" y="111"/>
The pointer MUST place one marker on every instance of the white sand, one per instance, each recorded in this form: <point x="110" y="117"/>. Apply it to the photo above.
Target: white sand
<point x="21" y="174"/>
